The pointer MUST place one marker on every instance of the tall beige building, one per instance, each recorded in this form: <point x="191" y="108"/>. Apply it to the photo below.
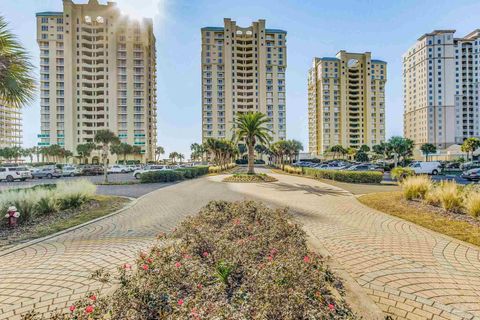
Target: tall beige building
<point x="441" y="80"/>
<point x="97" y="71"/>
<point x="243" y="70"/>
<point x="10" y="126"/>
<point x="346" y="101"/>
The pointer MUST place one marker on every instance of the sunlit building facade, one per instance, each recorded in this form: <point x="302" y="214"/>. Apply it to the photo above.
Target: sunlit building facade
<point x="346" y="101"/>
<point x="97" y="72"/>
<point x="10" y="126"/>
<point x="441" y="88"/>
<point x="243" y="70"/>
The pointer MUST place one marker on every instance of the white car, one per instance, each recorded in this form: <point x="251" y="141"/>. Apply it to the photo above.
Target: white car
<point x="11" y="174"/>
<point x="150" y="168"/>
<point x="431" y="167"/>
<point x="71" y="171"/>
<point x="118" y="168"/>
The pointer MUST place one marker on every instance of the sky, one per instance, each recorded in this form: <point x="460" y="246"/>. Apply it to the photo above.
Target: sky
<point x="316" y="28"/>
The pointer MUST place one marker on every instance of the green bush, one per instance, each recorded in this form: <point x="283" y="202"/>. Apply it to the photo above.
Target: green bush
<point x="161" y="176"/>
<point x="193" y="172"/>
<point x="400" y="173"/>
<point x="345" y="176"/>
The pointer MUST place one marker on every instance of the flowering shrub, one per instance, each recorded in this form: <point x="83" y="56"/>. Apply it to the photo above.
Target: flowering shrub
<point x="242" y="177"/>
<point x="237" y="260"/>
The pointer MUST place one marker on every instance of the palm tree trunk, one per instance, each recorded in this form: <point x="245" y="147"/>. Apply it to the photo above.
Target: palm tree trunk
<point x="251" y="159"/>
<point x="105" y="165"/>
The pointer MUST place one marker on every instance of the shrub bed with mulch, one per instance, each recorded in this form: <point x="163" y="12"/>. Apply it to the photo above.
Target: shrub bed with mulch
<point x="232" y="261"/>
<point x="249" y="178"/>
<point x="373" y="177"/>
<point x="173" y="175"/>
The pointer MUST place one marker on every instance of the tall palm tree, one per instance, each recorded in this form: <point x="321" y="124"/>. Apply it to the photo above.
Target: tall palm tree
<point x="84" y="150"/>
<point x="180" y="157"/>
<point x="173" y="156"/>
<point x="123" y="149"/>
<point x="250" y="127"/>
<point x="105" y="138"/>
<point x="17" y="85"/>
<point x="158" y="152"/>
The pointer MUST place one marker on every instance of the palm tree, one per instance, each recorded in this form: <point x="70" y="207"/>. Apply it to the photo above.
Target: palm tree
<point x="122" y="149"/>
<point x="84" y="150"/>
<point x="105" y="138"/>
<point x="427" y="149"/>
<point x="17" y="85"/>
<point x="158" y="152"/>
<point x="337" y="149"/>
<point x="250" y="127"/>
<point x="293" y="149"/>
<point x="173" y="156"/>
<point x="180" y="157"/>
<point x="470" y="145"/>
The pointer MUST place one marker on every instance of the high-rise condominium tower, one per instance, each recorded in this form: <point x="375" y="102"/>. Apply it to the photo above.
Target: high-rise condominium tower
<point x="10" y="126"/>
<point x="346" y="101"/>
<point x="441" y="78"/>
<point x="243" y="70"/>
<point x="97" y="71"/>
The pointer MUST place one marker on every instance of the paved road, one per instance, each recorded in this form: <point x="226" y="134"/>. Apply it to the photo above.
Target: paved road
<point x="410" y="272"/>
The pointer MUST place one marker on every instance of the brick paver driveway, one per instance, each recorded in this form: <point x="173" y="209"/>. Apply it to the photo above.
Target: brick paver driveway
<point x="410" y="272"/>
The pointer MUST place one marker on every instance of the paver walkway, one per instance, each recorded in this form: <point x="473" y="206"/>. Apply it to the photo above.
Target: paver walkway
<point x="410" y="272"/>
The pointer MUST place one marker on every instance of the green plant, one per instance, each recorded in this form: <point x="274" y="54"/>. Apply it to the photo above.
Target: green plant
<point x="416" y="187"/>
<point x="46" y="205"/>
<point x="161" y="176"/>
<point x="449" y="196"/>
<point x="400" y="173"/>
<point x="224" y="270"/>
<point x="472" y="204"/>
<point x="345" y="176"/>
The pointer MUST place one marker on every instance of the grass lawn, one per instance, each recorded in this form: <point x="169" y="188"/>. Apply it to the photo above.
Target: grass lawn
<point x="394" y="204"/>
<point x="99" y="206"/>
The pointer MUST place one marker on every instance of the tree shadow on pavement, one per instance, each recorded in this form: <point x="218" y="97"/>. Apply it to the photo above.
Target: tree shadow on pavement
<point x="307" y="189"/>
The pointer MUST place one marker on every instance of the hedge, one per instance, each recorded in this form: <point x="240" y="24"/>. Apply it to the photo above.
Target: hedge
<point x="173" y="175"/>
<point x="345" y="176"/>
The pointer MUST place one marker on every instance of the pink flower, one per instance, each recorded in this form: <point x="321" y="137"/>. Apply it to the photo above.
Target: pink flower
<point x="93" y="298"/>
<point x="89" y="309"/>
<point x="236" y="222"/>
<point x="143" y="255"/>
<point x="180" y="302"/>
<point x="72" y="308"/>
<point x="205" y="254"/>
<point x="145" y="267"/>
<point x="149" y="260"/>
<point x="306" y="259"/>
<point x="187" y="256"/>
<point x="178" y="264"/>
<point x="199" y="286"/>
<point x="331" y="307"/>
<point x="270" y="258"/>
<point x="127" y="266"/>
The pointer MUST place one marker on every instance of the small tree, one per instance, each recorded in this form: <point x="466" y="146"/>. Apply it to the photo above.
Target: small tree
<point x="428" y="149"/>
<point x="159" y="151"/>
<point x="105" y="138"/>
<point x="361" y="156"/>
<point x="85" y="150"/>
<point x="123" y="149"/>
<point x="250" y="128"/>
<point x="470" y="145"/>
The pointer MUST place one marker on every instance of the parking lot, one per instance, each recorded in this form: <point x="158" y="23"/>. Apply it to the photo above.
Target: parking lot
<point x="127" y="190"/>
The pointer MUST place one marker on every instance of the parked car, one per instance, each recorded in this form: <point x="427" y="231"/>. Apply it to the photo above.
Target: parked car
<point x="92" y="170"/>
<point x="423" y="167"/>
<point x="470" y="165"/>
<point x="11" y="174"/>
<point x="365" y="167"/>
<point x="471" y="175"/>
<point x="118" y="168"/>
<point x="133" y="167"/>
<point x="149" y="168"/>
<point x="47" y="172"/>
<point x="71" y="171"/>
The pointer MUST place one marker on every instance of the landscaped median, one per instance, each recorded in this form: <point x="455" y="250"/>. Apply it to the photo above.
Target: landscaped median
<point x="445" y="207"/>
<point x="181" y="173"/>
<point x="249" y="178"/>
<point x="237" y="260"/>
<point x="337" y="175"/>
<point x="46" y="209"/>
